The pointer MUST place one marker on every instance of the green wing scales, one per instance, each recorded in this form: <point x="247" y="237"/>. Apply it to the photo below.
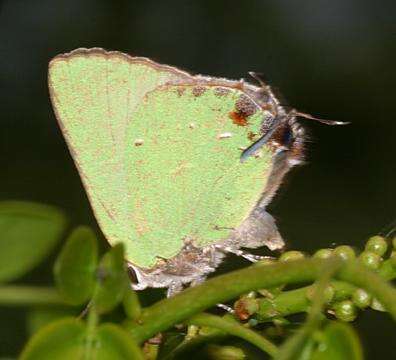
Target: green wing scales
<point x="158" y="150"/>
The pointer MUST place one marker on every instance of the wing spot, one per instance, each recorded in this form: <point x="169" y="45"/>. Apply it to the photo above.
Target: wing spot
<point x="238" y="118"/>
<point x="139" y="142"/>
<point x="198" y="90"/>
<point x="221" y="91"/>
<point x="251" y="135"/>
<point x="180" y="91"/>
<point x="245" y="106"/>
<point x="225" y="135"/>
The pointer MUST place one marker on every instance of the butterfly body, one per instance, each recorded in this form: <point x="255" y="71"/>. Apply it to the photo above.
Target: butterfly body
<point x="159" y="153"/>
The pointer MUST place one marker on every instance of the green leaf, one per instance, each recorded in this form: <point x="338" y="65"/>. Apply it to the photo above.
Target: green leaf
<point x="37" y="318"/>
<point x="28" y="232"/>
<point x="62" y="339"/>
<point x="306" y="349"/>
<point x="116" y="343"/>
<point x="112" y="280"/>
<point x="67" y="339"/>
<point x="75" y="268"/>
<point x="340" y="342"/>
<point x="131" y="304"/>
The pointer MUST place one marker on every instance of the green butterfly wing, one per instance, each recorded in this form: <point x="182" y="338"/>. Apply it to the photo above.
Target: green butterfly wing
<point x="159" y="155"/>
<point x="94" y="94"/>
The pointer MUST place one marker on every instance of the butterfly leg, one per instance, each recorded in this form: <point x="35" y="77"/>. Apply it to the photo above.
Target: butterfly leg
<point x="227" y="308"/>
<point x="246" y="255"/>
<point x="173" y="289"/>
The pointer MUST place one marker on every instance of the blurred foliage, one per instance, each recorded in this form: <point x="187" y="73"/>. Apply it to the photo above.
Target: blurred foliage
<point x="75" y="268"/>
<point x="28" y="232"/>
<point x="72" y="321"/>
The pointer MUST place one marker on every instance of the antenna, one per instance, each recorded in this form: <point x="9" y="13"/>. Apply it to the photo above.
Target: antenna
<point x="279" y="120"/>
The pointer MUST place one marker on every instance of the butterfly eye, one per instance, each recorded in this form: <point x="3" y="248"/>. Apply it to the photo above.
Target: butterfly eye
<point x="287" y="136"/>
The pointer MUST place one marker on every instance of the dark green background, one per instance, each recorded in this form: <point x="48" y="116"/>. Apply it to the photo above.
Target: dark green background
<point x="334" y="59"/>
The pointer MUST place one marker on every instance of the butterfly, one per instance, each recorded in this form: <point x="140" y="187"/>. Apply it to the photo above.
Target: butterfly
<point x="177" y="167"/>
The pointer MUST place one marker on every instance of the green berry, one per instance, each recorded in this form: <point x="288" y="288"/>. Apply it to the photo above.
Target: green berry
<point x="376" y="305"/>
<point x="267" y="309"/>
<point x="345" y="310"/>
<point x="361" y="298"/>
<point x="370" y="260"/>
<point x="393" y="258"/>
<point x="253" y="322"/>
<point x="225" y="352"/>
<point x="323" y="254"/>
<point x="377" y="245"/>
<point x="291" y="255"/>
<point x="328" y="293"/>
<point x="345" y="252"/>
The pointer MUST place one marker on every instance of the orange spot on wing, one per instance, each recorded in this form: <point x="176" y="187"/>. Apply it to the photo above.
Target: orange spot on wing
<point x="238" y="118"/>
<point x="251" y="135"/>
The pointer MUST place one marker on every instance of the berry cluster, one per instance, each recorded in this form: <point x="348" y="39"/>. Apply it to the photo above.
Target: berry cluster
<point x="342" y="299"/>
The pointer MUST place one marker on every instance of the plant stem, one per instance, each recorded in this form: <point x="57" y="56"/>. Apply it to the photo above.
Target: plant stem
<point x="387" y="270"/>
<point x="234" y="328"/>
<point x="294" y="344"/>
<point x="297" y="301"/>
<point x="14" y="295"/>
<point x="92" y="323"/>
<point x="168" y="312"/>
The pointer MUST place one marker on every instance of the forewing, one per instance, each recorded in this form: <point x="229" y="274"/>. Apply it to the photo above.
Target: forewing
<point x="187" y="181"/>
<point x="94" y="94"/>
